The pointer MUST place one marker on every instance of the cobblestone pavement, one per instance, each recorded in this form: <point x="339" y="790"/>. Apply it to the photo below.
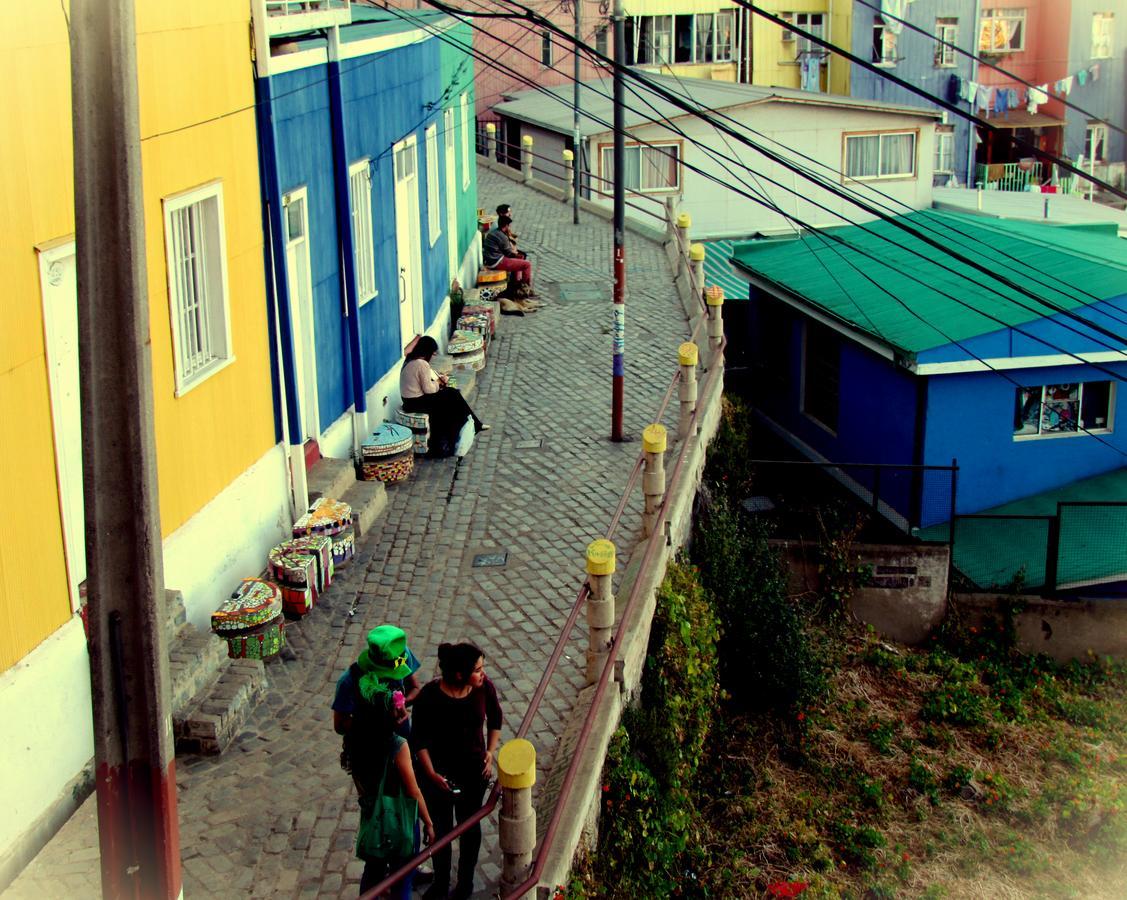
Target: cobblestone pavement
<point x="274" y="815"/>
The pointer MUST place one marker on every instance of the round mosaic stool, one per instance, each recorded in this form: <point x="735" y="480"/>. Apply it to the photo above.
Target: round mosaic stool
<point x="419" y="423"/>
<point x="491" y="276"/>
<point x="251" y="622"/>
<point x="344" y="547"/>
<point x="467" y="350"/>
<point x="482" y="309"/>
<point x="325" y="516"/>
<point x="298" y="568"/>
<point x="388" y="454"/>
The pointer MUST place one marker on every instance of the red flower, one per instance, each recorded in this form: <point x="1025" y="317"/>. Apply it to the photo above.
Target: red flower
<point x="786" y="888"/>
<point x="801" y="718"/>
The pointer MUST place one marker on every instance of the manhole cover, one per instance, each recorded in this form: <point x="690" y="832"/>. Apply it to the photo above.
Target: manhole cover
<point x="484" y="560"/>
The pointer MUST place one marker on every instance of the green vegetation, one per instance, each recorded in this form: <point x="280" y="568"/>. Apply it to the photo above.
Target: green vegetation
<point x="783" y="750"/>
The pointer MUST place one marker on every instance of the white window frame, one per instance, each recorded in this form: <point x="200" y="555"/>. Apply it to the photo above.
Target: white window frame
<point x="1103" y="35"/>
<point x="434" y="200"/>
<point x="946" y="29"/>
<point x="200" y="316"/>
<point x="847" y="137"/>
<point x="887" y="45"/>
<point x="1082" y="429"/>
<point x="730" y="53"/>
<point x="1095" y="136"/>
<point x="363" y="241"/>
<point x="605" y="167"/>
<point x="944" y="150"/>
<point x="805" y="21"/>
<point x="546" y="48"/>
<point x="602" y="42"/>
<point x="464" y="107"/>
<point x="992" y="24"/>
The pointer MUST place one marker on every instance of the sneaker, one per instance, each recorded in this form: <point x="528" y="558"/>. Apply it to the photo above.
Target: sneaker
<point x="424" y="874"/>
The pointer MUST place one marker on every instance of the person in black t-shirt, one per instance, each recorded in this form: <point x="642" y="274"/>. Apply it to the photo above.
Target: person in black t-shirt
<point x="457" y="727"/>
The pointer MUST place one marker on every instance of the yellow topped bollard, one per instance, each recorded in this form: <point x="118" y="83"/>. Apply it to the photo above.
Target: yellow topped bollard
<point x="684" y="220"/>
<point x="714" y="297"/>
<point x="653" y="438"/>
<point x="568" y="156"/>
<point x="653" y="476"/>
<point x="687" y="357"/>
<point x="516" y="828"/>
<point x="688" y="354"/>
<point x="600" y="557"/>
<point x="696" y="253"/>
<point x="526" y="158"/>
<point x="490" y="141"/>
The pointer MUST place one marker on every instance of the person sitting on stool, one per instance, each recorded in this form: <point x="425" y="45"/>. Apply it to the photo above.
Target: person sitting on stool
<point x="499" y="253"/>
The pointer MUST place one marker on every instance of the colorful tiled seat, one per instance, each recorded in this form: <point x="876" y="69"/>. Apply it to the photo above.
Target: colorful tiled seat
<point x="388" y="454"/>
<point x="491" y="276"/>
<point x="325" y="516"/>
<point x="419" y="423"/>
<point x="302" y="568"/>
<point x="251" y="621"/>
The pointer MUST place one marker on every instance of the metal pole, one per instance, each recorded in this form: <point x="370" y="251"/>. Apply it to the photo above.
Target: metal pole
<point x="575" y="130"/>
<point x="619" y="331"/>
<point x="133" y="750"/>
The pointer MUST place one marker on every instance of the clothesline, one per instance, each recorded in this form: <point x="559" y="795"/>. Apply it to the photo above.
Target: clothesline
<point x="1001" y="100"/>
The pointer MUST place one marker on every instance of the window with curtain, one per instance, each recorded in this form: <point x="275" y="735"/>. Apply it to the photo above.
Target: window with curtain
<point x="725" y="26"/>
<point x="1063" y="409"/>
<point x="888" y="155"/>
<point x="646" y="169"/>
<point x="809" y="22"/>
<point x="944" y="150"/>
<point x="1102" y="25"/>
<point x="706" y="31"/>
<point x="1001" y="31"/>
<point x="1095" y="142"/>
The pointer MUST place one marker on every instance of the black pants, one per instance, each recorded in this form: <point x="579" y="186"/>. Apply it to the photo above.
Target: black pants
<point x="444" y="807"/>
<point x="448" y="411"/>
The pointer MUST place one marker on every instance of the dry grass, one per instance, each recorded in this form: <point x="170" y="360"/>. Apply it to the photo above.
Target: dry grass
<point x="1042" y="812"/>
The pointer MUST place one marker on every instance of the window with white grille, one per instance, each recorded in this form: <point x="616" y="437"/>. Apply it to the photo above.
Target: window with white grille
<point x="363" y="252"/>
<point x="944" y="150"/>
<point x="196" y="250"/>
<point x="434" y="211"/>
<point x="947" y="31"/>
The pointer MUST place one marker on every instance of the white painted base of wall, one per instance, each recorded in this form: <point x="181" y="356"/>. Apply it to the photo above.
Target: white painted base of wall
<point x="46" y="709"/>
<point x="228" y="539"/>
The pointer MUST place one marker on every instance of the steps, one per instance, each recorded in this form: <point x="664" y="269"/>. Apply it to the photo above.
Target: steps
<point x="336" y="478"/>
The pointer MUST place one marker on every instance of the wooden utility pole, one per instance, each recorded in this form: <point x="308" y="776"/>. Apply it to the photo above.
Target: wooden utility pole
<point x="618" y="339"/>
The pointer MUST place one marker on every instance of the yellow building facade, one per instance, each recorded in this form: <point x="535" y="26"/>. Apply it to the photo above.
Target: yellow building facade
<point x="685" y="38"/>
<point x="775" y="54"/>
<point x="221" y="471"/>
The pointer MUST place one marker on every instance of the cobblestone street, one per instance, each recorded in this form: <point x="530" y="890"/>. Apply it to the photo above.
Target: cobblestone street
<point x="274" y="815"/>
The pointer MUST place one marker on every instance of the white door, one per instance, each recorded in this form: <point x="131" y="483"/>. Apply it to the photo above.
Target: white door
<point x="451" y="192"/>
<point x="59" y="284"/>
<point x="296" y="206"/>
<point x="408" y="237"/>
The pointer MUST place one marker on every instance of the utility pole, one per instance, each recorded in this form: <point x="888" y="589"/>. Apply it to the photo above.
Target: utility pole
<point x="133" y="749"/>
<point x="618" y="339"/>
<point x="575" y="132"/>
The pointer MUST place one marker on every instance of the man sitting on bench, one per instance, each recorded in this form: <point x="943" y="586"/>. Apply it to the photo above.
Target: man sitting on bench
<point x="499" y="253"/>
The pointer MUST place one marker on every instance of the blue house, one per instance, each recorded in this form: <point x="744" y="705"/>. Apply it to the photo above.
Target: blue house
<point x="872" y="345"/>
<point x="366" y="134"/>
<point x="922" y="61"/>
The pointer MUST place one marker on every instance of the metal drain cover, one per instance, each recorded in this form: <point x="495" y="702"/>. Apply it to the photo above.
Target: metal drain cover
<point x="485" y="560"/>
<point x="533" y="444"/>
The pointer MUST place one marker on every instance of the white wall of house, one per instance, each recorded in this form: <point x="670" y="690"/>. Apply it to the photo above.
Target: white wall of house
<point x="816" y="131"/>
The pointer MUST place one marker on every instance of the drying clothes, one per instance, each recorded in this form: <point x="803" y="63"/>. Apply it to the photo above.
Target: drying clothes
<point x="891" y="11"/>
<point x="956" y="89"/>
<point x="1001" y="101"/>
<point x="1011" y="98"/>
<point x="972" y="91"/>
<point x="1039" y="95"/>
<point x="984" y="96"/>
<point x="1065" y="86"/>
<point x="1082" y="77"/>
<point x="1094" y="71"/>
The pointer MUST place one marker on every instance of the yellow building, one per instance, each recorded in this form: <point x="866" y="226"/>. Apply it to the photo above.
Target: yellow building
<point x="776" y="54"/>
<point x="221" y="472"/>
<point x="686" y="38"/>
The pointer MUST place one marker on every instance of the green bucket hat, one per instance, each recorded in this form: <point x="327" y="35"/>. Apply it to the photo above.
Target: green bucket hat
<point x="387" y="655"/>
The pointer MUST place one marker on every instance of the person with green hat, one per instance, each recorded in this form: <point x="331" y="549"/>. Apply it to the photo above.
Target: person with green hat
<point x="369" y="710"/>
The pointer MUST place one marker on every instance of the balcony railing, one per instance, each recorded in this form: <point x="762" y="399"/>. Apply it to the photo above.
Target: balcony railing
<point x="293" y="16"/>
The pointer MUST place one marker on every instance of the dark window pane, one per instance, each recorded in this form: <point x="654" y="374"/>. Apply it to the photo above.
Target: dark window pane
<point x="1095" y="412"/>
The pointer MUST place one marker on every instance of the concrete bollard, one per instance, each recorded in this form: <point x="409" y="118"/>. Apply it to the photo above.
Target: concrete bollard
<point x="696" y="269"/>
<point x="688" y="356"/>
<point x="490" y="140"/>
<point x="714" y="299"/>
<point x="600" y="606"/>
<point x="526" y="158"/>
<point x="516" y="768"/>
<point x="684" y="223"/>
<point x="569" y="176"/>
<point x="653" y="476"/>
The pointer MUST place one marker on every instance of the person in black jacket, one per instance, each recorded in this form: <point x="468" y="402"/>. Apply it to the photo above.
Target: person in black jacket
<point x="456" y="731"/>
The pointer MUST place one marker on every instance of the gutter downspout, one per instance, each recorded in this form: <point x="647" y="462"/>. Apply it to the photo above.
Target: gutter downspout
<point x="273" y="219"/>
<point x="972" y="128"/>
<point x="347" y="248"/>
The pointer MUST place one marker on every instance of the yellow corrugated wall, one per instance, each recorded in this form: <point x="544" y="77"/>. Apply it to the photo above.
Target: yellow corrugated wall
<point x="194" y="65"/>
<point x="773" y="60"/>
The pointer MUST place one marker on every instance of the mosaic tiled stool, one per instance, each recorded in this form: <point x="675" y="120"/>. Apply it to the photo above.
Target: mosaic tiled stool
<point x="302" y="569"/>
<point x="492" y="277"/>
<point x="251" y="621"/>
<point x="482" y="309"/>
<point x="419" y="423"/>
<point x="467" y="350"/>
<point x="388" y="454"/>
<point x="478" y="324"/>
<point x="325" y="516"/>
<point x="344" y="547"/>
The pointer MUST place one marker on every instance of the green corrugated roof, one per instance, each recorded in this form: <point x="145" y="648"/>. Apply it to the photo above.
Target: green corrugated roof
<point x="891" y="284"/>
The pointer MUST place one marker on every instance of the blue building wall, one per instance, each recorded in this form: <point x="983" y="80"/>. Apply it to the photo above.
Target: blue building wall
<point x="1105" y="99"/>
<point x="916" y="63"/>
<point x="387" y="97"/>
<point x="971" y="417"/>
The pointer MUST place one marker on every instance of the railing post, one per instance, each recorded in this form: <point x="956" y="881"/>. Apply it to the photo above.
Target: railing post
<point x="684" y="223"/>
<point x="687" y="356"/>
<point x="1052" y="554"/>
<point x="653" y="477"/>
<point x="696" y="264"/>
<point x="600" y="606"/>
<point x="714" y="298"/>
<point x="569" y="176"/>
<point x="516" y="767"/>
<point x="526" y="158"/>
<point x="490" y="140"/>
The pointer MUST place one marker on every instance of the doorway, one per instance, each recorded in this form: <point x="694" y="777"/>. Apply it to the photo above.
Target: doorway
<point x="300" y="284"/>
<point x="408" y="238"/>
<point x="451" y="192"/>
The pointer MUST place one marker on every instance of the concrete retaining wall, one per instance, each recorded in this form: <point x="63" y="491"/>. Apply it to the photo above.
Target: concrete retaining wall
<point x="1063" y="629"/>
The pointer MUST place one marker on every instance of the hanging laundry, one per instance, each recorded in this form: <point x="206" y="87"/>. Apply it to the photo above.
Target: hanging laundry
<point x="1082" y="77"/>
<point x="1094" y="70"/>
<point x="956" y="89"/>
<point x="984" y="96"/>
<point x="1065" y="86"/>
<point x="1012" y="98"/>
<point x="891" y="11"/>
<point x="1001" y="96"/>
<point x="972" y="91"/>
<point x="1039" y="95"/>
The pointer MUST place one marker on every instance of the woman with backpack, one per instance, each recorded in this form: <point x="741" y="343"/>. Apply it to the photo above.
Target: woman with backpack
<point x="368" y="709"/>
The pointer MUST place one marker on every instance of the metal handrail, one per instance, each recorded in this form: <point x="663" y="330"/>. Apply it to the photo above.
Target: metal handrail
<point x="558" y="652"/>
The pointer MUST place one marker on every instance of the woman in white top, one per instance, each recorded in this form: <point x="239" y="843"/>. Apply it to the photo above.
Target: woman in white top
<point x="424" y="391"/>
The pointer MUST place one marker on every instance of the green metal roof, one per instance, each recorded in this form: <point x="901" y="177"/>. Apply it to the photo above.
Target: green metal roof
<point x="916" y="297"/>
